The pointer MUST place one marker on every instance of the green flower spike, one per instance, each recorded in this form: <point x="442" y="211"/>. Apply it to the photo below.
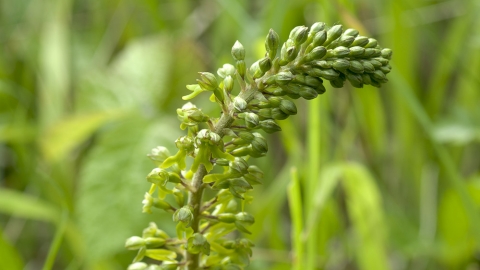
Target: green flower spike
<point x="206" y="222"/>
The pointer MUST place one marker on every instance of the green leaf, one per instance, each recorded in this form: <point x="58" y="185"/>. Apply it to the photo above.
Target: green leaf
<point x="62" y="137"/>
<point x="10" y="257"/>
<point x="365" y="210"/>
<point x="161" y="254"/>
<point x="25" y="206"/>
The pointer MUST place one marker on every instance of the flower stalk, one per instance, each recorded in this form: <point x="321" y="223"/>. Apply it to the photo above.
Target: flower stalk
<point x="220" y="147"/>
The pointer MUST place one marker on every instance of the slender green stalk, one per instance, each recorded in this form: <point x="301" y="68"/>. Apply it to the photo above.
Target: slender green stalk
<point x="57" y="241"/>
<point x="296" y="211"/>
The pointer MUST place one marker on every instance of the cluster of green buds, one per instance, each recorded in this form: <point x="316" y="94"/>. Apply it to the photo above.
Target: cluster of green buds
<point x="218" y="150"/>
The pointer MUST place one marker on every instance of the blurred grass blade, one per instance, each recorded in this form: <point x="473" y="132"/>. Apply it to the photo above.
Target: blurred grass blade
<point x="11" y="259"/>
<point x="328" y="181"/>
<point x="62" y="137"/>
<point x="25" y="206"/>
<point x="57" y="241"/>
<point x="453" y="176"/>
<point x="366" y="214"/>
<point x="296" y="212"/>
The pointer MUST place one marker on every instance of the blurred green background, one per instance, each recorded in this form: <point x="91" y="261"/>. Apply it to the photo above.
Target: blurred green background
<point x="360" y="179"/>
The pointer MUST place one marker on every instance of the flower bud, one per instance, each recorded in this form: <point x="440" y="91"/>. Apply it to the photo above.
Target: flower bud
<point x="239" y="166"/>
<point x="158" y="177"/>
<point x="372" y="43"/>
<point x="228" y="83"/>
<point x="270" y="126"/>
<point x="251" y="120"/>
<point x="368" y="66"/>
<point x="138" y="266"/>
<point x="308" y="93"/>
<point x="283" y="78"/>
<point x="337" y="83"/>
<point x="374" y="63"/>
<point x="207" y="81"/>
<point x="340" y="51"/>
<point x="316" y="53"/>
<point x="382" y="60"/>
<point x="259" y="144"/>
<point x="153" y="242"/>
<point x="312" y="81"/>
<point x="245" y="218"/>
<point x="241" y="151"/>
<point x="265" y="113"/>
<point x="356" y="67"/>
<point x="319" y="38"/>
<point x="241" y="68"/>
<point x="254" y="176"/>
<point x="239" y="104"/>
<point x="265" y="64"/>
<point x="369" y="52"/>
<point x="333" y="33"/>
<point x="356" y="51"/>
<point x="328" y="74"/>
<point x="341" y="64"/>
<point x="386" y="69"/>
<point x="299" y="35"/>
<point x="366" y="78"/>
<point x="198" y="243"/>
<point x="387" y="53"/>
<point x="355" y="79"/>
<point x="316" y="27"/>
<point x="185" y="143"/>
<point x="226" y="217"/>
<point x="278" y="114"/>
<point x="379" y="76"/>
<point x="360" y="41"/>
<point x="246" y="136"/>
<point x="238" y="52"/>
<point x="134" y="243"/>
<point x="271" y="43"/>
<point x="351" y="32"/>
<point x="288" y="107"/>
<point x="184" y="215"/>
<point x="159" y="154"/>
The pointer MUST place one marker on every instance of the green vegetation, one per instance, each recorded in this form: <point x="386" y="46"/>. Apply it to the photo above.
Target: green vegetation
<point x="359" y="179"/>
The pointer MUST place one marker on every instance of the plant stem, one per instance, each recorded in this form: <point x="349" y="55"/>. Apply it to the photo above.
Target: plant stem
<point x="195" y="195"/>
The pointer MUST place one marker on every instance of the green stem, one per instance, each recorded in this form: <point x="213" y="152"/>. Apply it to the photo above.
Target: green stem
<point x="195" y="195"/>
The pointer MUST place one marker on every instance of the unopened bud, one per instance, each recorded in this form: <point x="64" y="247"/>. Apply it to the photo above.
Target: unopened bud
<point x="228" y="83"/>
<point x="299" y="35"/>
<point x="356" y="67"/>
<point x="134" y="243"/>
<point x="387" y="53"/>
<point x="283" y="78"/>
<point x="333" y="33"/>
<point x="239" y="104"/>
<point x="288" y="107"/>
<point x="238" y="52"/>
<point x="372" y="43"/>
<point x="270" y="126"/>
<point x="271" y="43"/>
<point x="208" y="81"/>
<point x="341" y="64"/>
<point x="356" y="51"/>
<point x="360" y="41"/>
<point x="316" y="27"/>
<point x="316" y="53"/>
<point x="351" y="32"/>
<point x="319" y="38"/>
<point x="241" y="68"/>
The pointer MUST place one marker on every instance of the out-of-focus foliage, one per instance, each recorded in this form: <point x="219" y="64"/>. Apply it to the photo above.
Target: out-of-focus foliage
<point x="87" y="88"/>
